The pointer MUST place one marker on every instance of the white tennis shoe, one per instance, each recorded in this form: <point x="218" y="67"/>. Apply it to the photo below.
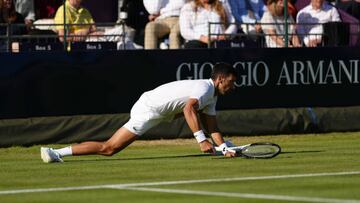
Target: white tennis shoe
<point x="48" y="155"/>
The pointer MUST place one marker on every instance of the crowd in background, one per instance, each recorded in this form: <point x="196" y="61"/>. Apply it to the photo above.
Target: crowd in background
<point x="174" y="24"/>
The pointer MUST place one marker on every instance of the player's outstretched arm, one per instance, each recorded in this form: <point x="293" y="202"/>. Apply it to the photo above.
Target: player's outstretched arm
<point x="191" y="117"/>
<point x="210" y="123"/>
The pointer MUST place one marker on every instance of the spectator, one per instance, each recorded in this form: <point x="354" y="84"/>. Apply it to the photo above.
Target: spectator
<point x="248" y="13"/>
<point x="195" y="17"/>
<point x="135" y="16"/>
<point x="8" y="15"/>
<point x="26" y="9"/>
<point x="311" y="18"/>
<point x="273" y="24"/>
<point x="82" y="26"/>
<point x="164" y="20"/>
<point x="75" y="14"/>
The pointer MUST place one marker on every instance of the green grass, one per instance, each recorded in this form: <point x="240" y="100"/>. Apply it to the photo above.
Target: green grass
<point x="171" y="160"/>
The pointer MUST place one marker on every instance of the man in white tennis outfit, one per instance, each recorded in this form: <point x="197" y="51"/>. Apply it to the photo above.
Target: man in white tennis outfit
<point x="186" y="98"/>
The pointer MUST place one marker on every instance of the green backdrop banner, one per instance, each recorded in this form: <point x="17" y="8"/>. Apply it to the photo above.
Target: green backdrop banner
<point x="72" y="129"/>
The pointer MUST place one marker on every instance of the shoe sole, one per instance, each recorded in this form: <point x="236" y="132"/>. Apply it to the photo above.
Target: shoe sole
<point x="45" y="155"/>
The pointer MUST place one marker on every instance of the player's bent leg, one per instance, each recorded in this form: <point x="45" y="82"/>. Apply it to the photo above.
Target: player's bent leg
<point x="121" y="139"/>
<point x="116" y="143"/>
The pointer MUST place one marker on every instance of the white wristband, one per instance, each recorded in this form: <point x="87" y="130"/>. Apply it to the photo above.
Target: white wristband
<point x="223" y="148"/>
<point x="199" y="136"/>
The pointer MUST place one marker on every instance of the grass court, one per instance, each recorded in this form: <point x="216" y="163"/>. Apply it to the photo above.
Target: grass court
<point x="311" y="168"/>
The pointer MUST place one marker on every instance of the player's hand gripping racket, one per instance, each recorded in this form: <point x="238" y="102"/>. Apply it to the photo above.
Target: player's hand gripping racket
<point x="259" y="150"/>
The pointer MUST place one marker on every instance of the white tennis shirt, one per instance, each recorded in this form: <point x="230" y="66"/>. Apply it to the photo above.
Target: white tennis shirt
<point x="169" y="99"/>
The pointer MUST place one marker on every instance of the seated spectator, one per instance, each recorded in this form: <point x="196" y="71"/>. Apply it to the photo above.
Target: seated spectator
<point x="164" y="20"/>
<point x="195" y="17"/>
<point x="248" y="13"/>
<point x="8" y="15"/>
<point x="273" y="25"/>
<point x="75" y="14"/>
<point x="81" y="27"/>
<point x="311" y="18"/>
<point x="134" y="14"/>
<point x="26" y="9"/>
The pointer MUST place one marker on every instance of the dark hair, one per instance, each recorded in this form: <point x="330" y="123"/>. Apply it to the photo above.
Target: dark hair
<point x="222" y="69"/>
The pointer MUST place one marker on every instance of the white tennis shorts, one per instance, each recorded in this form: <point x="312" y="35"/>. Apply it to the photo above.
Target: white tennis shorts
<point x="142" y="118"/>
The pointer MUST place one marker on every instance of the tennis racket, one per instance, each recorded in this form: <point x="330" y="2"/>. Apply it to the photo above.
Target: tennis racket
<point x="258" y="150"/>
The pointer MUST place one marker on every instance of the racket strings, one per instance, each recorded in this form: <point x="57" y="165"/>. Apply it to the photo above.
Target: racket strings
<point x="260" y="151"/>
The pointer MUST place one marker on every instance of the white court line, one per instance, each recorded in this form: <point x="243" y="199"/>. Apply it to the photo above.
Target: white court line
<point x="238" y="179"/>
<point x="121" y="186"/>
<point x="244" y="195"/>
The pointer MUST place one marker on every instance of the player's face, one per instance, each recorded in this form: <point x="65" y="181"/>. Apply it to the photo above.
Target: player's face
<point x="226" y="84"/>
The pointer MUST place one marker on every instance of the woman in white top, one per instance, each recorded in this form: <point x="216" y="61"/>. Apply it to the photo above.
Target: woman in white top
<point x="273" y="25"/>
<point x="195" y="17"/>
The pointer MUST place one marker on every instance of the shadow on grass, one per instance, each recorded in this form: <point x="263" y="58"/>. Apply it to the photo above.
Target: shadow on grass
<point x="301" y="152"/>
<point x="277" y="156"/>
<point x="181" y="156"/>
<point x="142" y="158"/>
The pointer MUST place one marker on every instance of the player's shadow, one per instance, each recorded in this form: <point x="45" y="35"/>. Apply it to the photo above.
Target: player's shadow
<point x="181" y="156"/>
<point x="141" y="158"/>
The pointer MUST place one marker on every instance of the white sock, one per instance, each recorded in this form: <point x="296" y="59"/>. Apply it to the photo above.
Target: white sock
<point x="66" y="151"/>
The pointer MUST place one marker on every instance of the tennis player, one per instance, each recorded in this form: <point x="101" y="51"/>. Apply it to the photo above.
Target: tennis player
<point x="188" y="98"/>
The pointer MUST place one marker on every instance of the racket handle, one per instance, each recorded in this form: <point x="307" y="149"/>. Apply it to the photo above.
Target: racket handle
<point x="236" y="148"/>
